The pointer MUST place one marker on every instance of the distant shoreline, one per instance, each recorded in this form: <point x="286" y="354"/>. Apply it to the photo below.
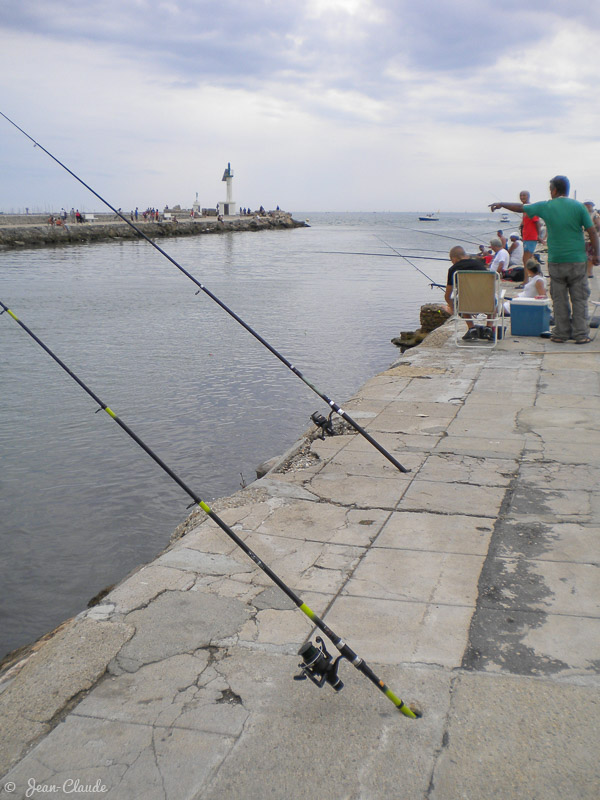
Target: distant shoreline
<point x="34" y="230"/>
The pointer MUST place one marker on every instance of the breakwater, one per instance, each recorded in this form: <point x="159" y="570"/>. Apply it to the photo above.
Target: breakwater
<point x="36" y="231"/>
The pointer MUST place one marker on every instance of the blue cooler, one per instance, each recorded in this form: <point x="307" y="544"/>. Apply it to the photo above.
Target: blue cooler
<point x="529" y="316"/>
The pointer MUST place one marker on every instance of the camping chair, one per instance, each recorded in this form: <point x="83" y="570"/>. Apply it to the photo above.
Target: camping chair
<point x="478" y="292"/>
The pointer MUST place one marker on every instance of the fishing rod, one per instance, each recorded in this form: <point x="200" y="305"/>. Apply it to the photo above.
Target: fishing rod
<point x="432" y="283"/>
<point x="317" y="664"/>
<point x="331" y="403"/>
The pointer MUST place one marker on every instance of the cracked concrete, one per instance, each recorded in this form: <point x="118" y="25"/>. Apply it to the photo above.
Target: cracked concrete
<point x="470" y="584"/>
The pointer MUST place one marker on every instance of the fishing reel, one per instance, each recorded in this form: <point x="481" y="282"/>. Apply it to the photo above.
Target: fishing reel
<point x="324" y="423"/>
<point x="318" y="665"/>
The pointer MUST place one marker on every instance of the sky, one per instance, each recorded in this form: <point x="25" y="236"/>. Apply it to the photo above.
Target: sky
<point x="319" y="105"/>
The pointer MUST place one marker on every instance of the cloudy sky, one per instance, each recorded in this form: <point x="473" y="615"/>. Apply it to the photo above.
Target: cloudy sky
<point x="345" y="105"/>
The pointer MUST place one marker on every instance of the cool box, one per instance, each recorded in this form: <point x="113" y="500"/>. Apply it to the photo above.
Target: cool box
<point x="529" y="316"/>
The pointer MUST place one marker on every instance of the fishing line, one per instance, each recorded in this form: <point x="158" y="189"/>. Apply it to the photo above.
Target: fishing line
<point x="432" y="283"/>
<point x="431" y="233"/>
<point x="331" y="403"/>
<point x="317" y="664"/>
<point x="381" y="255"/>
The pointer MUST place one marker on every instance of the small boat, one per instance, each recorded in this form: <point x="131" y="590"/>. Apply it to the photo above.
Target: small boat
<point x="429" y="218"/>
<point x="504" y="218"/>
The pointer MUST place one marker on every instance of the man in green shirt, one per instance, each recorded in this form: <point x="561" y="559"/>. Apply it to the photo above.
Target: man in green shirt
<point x="565" y="219"/>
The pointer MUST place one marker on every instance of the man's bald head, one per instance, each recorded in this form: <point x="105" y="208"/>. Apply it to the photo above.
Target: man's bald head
<point x="457" y="253"/>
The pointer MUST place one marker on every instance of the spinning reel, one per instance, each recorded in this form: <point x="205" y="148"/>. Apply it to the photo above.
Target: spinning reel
<point x="324" y="423"/>
<point x="318" y="665"/>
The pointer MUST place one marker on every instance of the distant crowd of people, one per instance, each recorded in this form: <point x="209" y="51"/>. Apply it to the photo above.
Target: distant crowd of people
<point x="151" y="214"/>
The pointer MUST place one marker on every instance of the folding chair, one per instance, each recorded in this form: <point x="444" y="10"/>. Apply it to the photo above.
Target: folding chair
<point x="478" y="292"/>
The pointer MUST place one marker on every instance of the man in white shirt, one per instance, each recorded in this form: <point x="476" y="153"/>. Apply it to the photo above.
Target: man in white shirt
<point x="500" y="261"/>
<point x="515" y="251"/>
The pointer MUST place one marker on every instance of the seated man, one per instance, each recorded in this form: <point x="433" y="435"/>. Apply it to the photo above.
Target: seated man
<point x="460" y="260"/>
<point x="515" y="251"/>
<point x="501" y="258"/>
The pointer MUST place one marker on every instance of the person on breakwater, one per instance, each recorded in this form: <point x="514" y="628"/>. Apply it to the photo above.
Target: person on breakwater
<point x="535" y="285"/>
<point x="531" y="229"/>
<point x="566" y="220"/>
<point x="460" y="260"/>
<point x="515" y="250"/>
<point x="595" y="217"/>
<point x="501" y="258"/>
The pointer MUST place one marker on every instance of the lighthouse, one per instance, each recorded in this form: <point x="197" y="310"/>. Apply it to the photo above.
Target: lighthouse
<point x="228" y="207"/>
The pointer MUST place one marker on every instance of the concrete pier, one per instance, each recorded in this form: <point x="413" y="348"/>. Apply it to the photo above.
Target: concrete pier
<point x="471" y="585"/>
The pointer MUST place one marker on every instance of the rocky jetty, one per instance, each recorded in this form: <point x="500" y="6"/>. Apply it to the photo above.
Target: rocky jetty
<point x="36" y="231"/>
<point x="432" y="316"/>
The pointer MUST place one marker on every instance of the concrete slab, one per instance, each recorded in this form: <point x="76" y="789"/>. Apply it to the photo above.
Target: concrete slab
<point x="495" y="747"/>
<point x="401" y="445"/>
<point x="572" y="589"/>
<point x="558" y="381"/>
<point x="305" y="565"/>
<point x="484" y="447"/>
<point x="453" y="468"/>
<point x="184" y="691"/>
<point x="353" y="742"/>
<point x="323" y="522"/>
<point x="486" y="398"/>
<point x="446" y="389"/>
<point x="395" y="632"/>
<point x="145" y="585"/>
<point x="537" y="643"/>
<point x="372" y="464"/>
<point x="121" y="761"/>
<point x="190" y="560"/>
<point x="476" y="424"/>
<point x="362" y="491"/>
<point x="453" y="498"/>
<point x="568" y="400"/>
<point x="176" y="623"/>
<point x="445" y="578"/>
<point x="555" y="476"/>
<point x="456" y="533"/>
<point x="562" y="452"/>
<point x="421" y="409"/>
<point x="551" y="541"/>
<point x="573" y="360"/>
<point x="552" y="504"/>
<point x="508" y="378"/>
<point x="43" y="683"/>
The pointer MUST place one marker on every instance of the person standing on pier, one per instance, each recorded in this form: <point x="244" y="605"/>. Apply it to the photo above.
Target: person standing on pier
<point x="595" y="217"/>
<point x="566" y="220"/>
<point x="531" y="229"/>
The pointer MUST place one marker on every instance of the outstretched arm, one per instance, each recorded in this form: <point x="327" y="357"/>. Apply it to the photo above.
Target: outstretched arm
<point x="516" y="207"/>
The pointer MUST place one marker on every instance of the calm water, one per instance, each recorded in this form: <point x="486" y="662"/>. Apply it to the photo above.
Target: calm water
<point x="81" y="504"/>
